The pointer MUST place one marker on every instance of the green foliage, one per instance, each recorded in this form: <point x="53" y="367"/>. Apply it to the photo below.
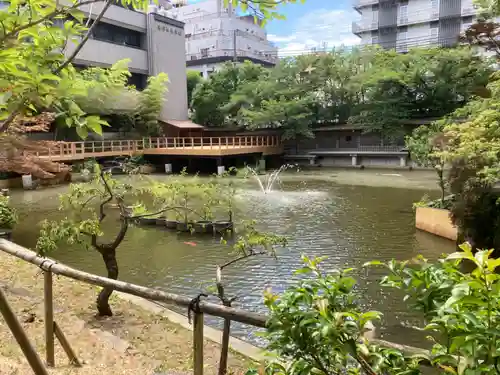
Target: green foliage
<point x="374" y="89"/>
<point x="150" y="104"/>
<point x="462" y="309"/>
<point x="473" y="151"/>
<point x="444" y="203"/>
<point x="193" y="80"/>
<point x="211" y="97"/>
<point x="8" y="215"/>
<point x="419" y="84"/>
<point x="81" y="205"/>
<point x="318" y="327"/>
<point x="35" y="74"/>
<point x="262" y="10"/>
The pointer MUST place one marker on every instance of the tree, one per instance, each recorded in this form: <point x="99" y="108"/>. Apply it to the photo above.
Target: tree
<point x="193" y="79"/>
<point x="423" y="144"/>
<point x="423" y="83"/>
<point x="485" y="35"/>
<point x="211" y="98"/>
<point x="87" y="206"/>
<point x="263" y="9"/>
<point x="473" y="151"/>
<point x="36" y="76"/>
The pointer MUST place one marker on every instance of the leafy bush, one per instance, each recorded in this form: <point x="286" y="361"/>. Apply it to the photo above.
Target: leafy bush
<point x="444" y="203"/>
<point x="8" y="216"/>
<point x="318" y="327"/>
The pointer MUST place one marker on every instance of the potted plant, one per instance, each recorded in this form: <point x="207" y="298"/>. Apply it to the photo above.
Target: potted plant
<point x="209" y="198"/>
<point x="8" y="217"/>
<point x="226" y="193"/>
<point x="182" y="216"/>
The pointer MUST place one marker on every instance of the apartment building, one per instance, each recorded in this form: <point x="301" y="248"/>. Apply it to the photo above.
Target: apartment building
<point x="215" y="34"/>
<point x="403" y="24"/>
<point x="153" y="42"/>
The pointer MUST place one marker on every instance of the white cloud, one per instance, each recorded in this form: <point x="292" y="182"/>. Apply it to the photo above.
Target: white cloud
<point x="318" y="29"/>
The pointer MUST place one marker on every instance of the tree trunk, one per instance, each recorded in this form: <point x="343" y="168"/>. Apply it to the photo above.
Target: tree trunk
<point x="111" y="263"/>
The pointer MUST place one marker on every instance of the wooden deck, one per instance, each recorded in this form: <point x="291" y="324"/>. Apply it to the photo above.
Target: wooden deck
<point x="208" y="146"/>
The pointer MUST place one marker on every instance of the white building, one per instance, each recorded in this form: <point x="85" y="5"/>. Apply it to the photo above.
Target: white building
<point x="408" y="23"/>
<point x="216" y="34"/>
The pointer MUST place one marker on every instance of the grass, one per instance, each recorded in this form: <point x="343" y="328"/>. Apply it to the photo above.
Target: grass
<point x="133" y="341"/>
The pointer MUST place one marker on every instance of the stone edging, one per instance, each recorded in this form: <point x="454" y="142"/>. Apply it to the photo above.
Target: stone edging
<point x="212" y="334"/>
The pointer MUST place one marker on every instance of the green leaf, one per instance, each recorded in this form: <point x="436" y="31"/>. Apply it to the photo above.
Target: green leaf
<point x="82" y="132"/>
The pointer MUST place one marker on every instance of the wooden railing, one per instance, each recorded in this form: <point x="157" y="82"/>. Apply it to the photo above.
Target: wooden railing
<point x="128" y="147"/>
<point x="51" y="267"/>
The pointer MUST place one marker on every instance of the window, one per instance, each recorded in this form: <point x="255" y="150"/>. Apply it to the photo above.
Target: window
<point x="434" y="31"/>
<point x="204" y="52"/>
<point x="375" y="39"/>
<point x="466" y="23"/>
<point x="118" y="35"/>
<point x="138" y="80"/>
<point x="348" y="138"/>
<point x="403" y="14"/>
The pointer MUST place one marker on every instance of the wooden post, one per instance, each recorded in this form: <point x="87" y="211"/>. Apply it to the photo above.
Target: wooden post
<point x="192" y="142"/>
<point x="198" y="344"/>
<point x="49" y="319"/>
<point x="66" y="346"/>
<point x="20" y="336"/>
<point x="211" y="143"/>
<point x="225" y="347"/>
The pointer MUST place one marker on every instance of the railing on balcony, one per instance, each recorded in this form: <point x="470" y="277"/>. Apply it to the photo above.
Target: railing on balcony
<point x="362" y="26"/>
<point x="263" y="56"/>
<point x="362" y="3"/>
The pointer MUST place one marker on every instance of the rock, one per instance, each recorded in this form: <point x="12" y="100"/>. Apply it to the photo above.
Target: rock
<point x="117" y="343"/>
<point x="30" y="318"/>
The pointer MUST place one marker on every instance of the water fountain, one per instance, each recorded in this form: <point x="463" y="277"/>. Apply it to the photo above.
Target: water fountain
<point x="266" y="186"/>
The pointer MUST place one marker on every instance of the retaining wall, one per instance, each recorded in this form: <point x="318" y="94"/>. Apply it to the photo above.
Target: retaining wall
<point x="436" y="221"/>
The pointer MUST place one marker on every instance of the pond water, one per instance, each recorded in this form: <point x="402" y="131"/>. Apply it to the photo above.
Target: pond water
<point x="350" y="216"/>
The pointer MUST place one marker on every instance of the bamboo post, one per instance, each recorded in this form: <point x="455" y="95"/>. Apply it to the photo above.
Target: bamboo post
<point x="49" y="319"/>
<point x="198" y="343"/>
<point x="66" y="346"/>
<point x="20" y="336"/>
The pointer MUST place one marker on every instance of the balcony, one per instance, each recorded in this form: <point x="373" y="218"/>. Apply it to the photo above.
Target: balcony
<point x="270" y="58"/>
<point x="96" y="52"/>
<point x="363" y="3"/>
<point x="363" y="26"/>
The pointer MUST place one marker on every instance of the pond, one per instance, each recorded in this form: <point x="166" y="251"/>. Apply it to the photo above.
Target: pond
<point x="350" y="216"/>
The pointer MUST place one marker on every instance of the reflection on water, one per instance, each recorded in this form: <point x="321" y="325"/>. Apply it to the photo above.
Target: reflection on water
<point x="349" y="224"/>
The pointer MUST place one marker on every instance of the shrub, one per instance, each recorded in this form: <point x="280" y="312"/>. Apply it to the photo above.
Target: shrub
<point x="8" y="216"/>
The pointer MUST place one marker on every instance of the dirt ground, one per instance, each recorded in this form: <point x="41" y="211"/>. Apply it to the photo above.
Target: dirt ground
<point x="133" y="341"/>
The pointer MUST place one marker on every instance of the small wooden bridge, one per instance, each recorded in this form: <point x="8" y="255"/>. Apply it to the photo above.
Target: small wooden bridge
<point x="187" y="146"/>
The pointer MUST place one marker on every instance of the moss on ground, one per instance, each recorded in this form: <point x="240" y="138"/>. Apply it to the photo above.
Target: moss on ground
<point x="133" y="341"/>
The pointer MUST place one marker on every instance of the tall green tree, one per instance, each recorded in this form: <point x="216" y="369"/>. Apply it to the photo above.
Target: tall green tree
<point x="423" y="83"/>
<point x="473" y="151"/>
<point x="211" y="97"/>
<point x="193" y="79"/>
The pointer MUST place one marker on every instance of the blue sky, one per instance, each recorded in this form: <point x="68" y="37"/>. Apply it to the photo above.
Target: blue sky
<point x="314" y="24"/>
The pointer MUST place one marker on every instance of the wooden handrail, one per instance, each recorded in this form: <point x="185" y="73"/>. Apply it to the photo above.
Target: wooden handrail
<point x="129" y="147"/>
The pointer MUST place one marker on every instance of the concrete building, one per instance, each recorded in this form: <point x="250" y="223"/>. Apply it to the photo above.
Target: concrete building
<point x="405" y="24"/>
<point x="216" y="34"/>
<point x="152" y="41"/>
